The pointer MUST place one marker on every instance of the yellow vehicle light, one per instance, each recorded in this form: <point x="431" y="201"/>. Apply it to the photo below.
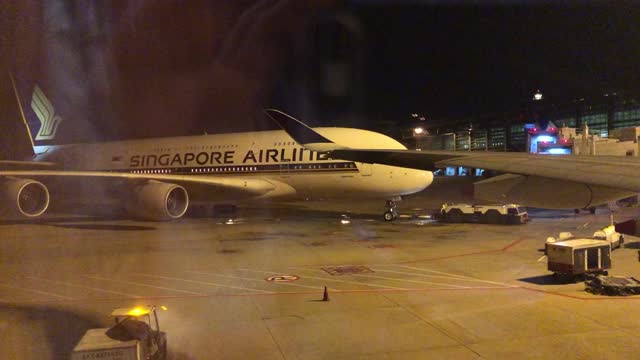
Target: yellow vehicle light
<point x="137" y="312"/>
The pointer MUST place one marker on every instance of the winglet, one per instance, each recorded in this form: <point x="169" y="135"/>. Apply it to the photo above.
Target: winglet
<point x="301" y="133"/>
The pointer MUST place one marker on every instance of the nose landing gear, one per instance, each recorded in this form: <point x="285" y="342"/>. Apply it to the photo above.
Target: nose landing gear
<point x="391" y="212"/>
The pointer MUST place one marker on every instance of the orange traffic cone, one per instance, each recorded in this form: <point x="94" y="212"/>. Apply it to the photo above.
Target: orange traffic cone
<point x="325" y="296"/>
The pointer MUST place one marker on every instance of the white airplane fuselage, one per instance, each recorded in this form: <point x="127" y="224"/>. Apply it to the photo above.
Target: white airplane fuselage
<point x="267" y="155"/>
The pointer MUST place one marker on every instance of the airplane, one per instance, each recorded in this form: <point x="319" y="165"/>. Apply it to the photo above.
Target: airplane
<point x="157" y="179"/>
<point x="544" y="181"/>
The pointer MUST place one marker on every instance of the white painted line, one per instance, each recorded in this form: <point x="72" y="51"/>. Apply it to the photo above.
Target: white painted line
<point x="37" y="291"/>
<point x="437" y="276"/>
<point x="460" y="276"/>
<point x="140" y="284"/>
<point x="425" y="275"/>
<point x="412" y="281"/>
<point x="82" y="286"/>
<point x="429" y="270"/>
<point x="201" y="282"/>
<point x="542" y="257"/>
<point x="330" y="279"/>
<point x="250" y="279"/>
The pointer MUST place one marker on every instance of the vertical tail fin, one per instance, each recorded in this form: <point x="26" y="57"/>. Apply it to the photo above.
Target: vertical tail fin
<point x="45" y="112"/>
<point x="37" y="113"/>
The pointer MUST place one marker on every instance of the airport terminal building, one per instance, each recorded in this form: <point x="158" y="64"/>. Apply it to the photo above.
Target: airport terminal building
<point x="539" y="127"/>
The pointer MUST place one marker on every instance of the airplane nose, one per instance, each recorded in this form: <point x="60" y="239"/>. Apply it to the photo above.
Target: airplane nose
<point x="418" y="180"/>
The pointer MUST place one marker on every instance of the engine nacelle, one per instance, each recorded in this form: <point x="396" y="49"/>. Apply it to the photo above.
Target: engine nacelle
<point x="544" y="192"/>
<point x="23" y="197"/>
<point x="155" y="200"/>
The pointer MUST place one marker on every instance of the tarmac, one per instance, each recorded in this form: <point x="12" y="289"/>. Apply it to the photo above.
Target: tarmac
<point x="251" y="285"/>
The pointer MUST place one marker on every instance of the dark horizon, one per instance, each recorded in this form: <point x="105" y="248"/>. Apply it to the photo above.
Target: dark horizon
<point x="461" y="60"/>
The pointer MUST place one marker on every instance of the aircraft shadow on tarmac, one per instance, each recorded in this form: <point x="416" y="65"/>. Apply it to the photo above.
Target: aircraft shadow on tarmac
<point x="104" y="227"/>
<point x="62" y="329"/>
<point x="549" y="279"/>
<point x="286" y="212"/>
<point x="43" y="221"/>
<point x="537" y="213"/>
<point x="297" y="212"/>
<point x="80" y="223"/>
<point x="632" y="245"/>
<point x="59" y="219"/>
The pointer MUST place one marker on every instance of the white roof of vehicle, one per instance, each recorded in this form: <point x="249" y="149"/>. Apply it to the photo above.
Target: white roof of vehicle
<point x="97" y="339"/>
<point x="579" y="243"/>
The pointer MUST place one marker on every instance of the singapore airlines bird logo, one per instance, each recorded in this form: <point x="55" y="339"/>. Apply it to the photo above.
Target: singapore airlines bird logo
<point x="45" y="112"/>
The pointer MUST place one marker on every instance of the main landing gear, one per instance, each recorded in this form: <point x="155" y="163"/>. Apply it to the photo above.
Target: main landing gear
<point x="391" y="211"/>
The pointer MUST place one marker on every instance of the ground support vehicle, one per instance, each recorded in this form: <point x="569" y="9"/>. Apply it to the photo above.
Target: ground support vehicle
<point x="610" y="234"/>
<point x="607" y="234"/>
<point x="132" y="337"/>
<point x="490" y="214"/>
<point x="578" y="256"/>
<point x="612" y="285"/>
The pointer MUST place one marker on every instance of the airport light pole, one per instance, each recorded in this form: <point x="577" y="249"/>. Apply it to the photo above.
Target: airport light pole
<point x="419" y="132"/>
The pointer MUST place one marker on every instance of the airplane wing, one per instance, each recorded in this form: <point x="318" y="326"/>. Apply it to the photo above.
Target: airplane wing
<point x="549" y="181"/>
<point x="609" y="171"/>
<point x="200" y="188"/>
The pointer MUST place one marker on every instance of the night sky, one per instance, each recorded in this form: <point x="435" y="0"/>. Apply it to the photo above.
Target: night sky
<point x="132" y="69"/>
<point x="449" y="61"/>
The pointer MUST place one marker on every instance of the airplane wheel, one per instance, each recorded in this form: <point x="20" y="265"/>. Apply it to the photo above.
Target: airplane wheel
<point x="388" y="216"/>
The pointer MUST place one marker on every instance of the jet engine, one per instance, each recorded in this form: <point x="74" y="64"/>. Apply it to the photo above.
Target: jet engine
<point x="23" y="197"/>
<point x="544" y="192"/>
<point x="157" y="201"/>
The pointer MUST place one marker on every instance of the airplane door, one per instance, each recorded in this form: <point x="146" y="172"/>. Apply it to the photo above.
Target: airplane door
<point x="365" y="169"/>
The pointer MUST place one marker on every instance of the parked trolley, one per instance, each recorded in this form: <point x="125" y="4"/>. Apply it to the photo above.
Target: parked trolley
<point x="578" y="256"/>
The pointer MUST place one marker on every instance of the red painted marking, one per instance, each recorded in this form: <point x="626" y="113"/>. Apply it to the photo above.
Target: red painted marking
<point x="514" y="243"/>
<point x="451" y="256"/>
<point x="601" y="298"/>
